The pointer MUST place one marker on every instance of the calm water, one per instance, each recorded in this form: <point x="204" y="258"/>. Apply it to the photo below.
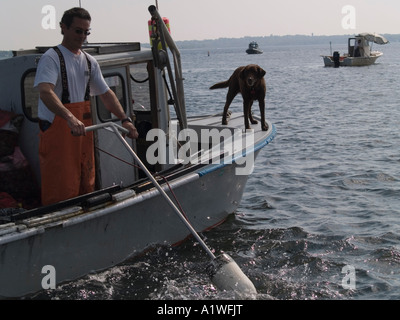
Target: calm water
<point x="325" y="194"/>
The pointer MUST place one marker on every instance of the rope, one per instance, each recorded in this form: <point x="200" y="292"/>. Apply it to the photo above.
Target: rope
<point x="139" y="81"/>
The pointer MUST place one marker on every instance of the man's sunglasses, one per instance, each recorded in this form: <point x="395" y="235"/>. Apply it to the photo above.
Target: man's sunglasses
<point x="80" y="32"/>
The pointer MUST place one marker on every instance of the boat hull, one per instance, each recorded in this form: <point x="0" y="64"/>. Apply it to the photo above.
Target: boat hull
<point x="253" y="51"/>
<point x="77" y="246"/>
<point x="346" y="61"/>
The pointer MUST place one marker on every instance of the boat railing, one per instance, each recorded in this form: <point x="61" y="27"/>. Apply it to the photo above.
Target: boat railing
<point x="111" y="125"/>
<point x="163" y="36"/>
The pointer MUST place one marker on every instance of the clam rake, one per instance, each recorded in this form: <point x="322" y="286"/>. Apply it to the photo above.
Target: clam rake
<point x="223" y="270"/>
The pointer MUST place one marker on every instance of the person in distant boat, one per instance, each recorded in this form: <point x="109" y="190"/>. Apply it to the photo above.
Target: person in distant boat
<point x="66" y="76"/>
<point x="357" y="48"/>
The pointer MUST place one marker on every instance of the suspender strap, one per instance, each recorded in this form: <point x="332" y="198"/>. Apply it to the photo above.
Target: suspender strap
<point x="87" y="93"/>
<point x="64" y="78"/>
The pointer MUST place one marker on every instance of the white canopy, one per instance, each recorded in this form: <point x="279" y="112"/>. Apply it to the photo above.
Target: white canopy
<point x="376" y="38"/>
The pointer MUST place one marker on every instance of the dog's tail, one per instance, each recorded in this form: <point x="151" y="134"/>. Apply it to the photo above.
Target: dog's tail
<point x="220" y="85"/>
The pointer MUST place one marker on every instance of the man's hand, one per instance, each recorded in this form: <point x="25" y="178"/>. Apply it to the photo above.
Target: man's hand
<point x="112" y="104"/>
<point x="76" y="126"/>
<point x="133" y="134"/>
<point x="53" y="103"/>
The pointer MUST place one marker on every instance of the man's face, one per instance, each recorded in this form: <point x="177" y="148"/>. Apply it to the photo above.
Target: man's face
<point x="76" y="34"/>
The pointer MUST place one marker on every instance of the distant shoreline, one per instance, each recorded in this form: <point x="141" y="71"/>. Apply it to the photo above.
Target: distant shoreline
<point x="265" y="41"/>
<point x="273" y="40"/>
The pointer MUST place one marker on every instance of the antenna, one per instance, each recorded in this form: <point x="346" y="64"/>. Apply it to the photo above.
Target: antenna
<point x="157" y="4"/>
<point x="80" y="4"/>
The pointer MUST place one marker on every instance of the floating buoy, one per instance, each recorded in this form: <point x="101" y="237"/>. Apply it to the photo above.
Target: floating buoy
<point x="226" y="275"/>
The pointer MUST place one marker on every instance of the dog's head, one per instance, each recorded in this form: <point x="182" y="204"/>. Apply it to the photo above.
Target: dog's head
<point x="251" y="74"/>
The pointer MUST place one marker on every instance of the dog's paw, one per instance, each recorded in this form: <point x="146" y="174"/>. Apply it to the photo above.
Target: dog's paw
<point x="224" y="122"/>
<point x="264" y="127"/>
<point x="254" y="121"/>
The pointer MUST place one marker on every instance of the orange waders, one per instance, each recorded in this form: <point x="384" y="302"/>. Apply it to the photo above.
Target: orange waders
<point x="66" y="161"/>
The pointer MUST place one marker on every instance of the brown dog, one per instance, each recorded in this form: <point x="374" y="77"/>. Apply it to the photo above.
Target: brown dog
<point x="249" y="81"/>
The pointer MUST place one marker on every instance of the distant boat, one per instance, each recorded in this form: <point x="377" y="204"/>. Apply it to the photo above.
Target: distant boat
<point x="253" y="48"/>
<point x="359" y="52"/>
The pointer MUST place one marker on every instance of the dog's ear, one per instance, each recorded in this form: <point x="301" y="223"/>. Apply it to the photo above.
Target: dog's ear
<point x="261" y="72"/>
<point x="242" y="74"/>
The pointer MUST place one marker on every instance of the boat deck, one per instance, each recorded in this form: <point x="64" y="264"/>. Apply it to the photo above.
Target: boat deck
<point x="235" y="122"/>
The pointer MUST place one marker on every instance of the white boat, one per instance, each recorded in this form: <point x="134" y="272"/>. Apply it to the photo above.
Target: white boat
<point x="359" y="52"/>
<point x="43" y="246"/>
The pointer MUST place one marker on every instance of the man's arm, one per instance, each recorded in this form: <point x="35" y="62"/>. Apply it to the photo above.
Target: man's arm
<point x="53" y="103"/>
<point x="112" y="104"/>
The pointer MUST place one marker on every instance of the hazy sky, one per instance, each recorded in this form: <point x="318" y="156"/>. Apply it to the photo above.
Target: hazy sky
<point x="23" y="25"/>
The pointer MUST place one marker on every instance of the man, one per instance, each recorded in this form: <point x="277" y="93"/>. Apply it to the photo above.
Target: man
<point x="65" y="77"/>
<point x="357" y="48"/>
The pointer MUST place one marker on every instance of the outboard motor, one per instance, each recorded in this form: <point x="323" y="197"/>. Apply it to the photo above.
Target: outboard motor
<point x="336" y="59"/>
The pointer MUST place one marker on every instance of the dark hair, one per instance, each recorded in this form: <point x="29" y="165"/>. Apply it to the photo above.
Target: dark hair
<point x="69" y="15"/>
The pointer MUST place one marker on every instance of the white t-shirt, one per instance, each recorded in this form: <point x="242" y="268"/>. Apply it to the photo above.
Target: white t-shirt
<point x="48" y="71"/>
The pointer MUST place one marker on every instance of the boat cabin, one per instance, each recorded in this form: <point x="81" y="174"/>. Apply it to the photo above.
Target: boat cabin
<point x="359" y="47"/>
<point x="129" y="71"/>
